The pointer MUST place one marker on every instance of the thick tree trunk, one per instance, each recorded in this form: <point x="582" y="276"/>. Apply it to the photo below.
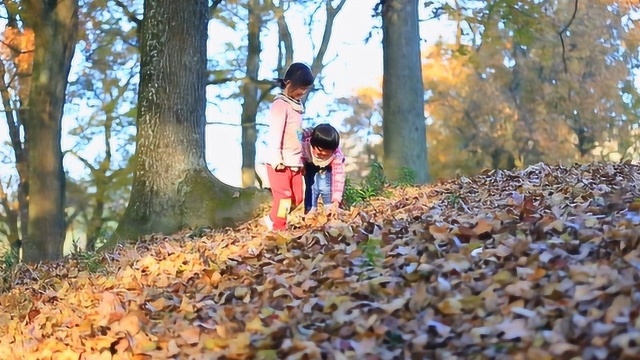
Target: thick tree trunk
<point x="55" y="25"/>
<point x="172" y="187"/>
<point x="404" y="125"/>
<point x="250" y="96"/>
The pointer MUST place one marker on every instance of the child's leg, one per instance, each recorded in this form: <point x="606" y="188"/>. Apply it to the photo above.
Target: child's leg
<point x="315" y="193"/>
<point x="309" y="174"/>
<point x="297" y="187"/>
<point x="324" y="188"/>
<point x="281" y="191"/>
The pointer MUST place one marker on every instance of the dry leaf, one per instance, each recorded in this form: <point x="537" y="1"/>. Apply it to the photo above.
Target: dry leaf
<point x="554" y="276"/>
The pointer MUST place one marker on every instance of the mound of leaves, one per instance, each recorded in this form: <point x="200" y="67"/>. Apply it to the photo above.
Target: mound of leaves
<point x="539" y="264"/>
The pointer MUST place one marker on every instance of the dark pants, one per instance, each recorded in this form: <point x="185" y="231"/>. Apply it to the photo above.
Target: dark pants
<point x="310" y="172"/>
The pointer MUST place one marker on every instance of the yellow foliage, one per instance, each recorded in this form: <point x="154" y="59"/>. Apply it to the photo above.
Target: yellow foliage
<point x="16" y="51"/>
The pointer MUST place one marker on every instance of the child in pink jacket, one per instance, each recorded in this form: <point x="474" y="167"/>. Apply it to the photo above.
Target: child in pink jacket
<point x="284" y="157"/>
<point x="323" y="166"/>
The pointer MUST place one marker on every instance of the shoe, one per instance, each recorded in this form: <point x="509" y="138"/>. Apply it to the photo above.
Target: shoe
<point x="266" y="221"/>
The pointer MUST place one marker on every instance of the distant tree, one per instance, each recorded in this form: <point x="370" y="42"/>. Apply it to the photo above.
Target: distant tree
<point x="252" y="91"/>
<point x="403" y="124"/>
<point x="361" y="139"/>
<point x="509" y="91"/>
<point x="55" y="27"/>
<point x="15" y="80"/>
<point x="106" y="80"/>
<point x="172" y="186"/>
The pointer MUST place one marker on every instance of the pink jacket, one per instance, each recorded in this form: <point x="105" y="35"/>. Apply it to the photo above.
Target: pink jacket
<point x="338" y="173"/>
<point x="285" y="132"/>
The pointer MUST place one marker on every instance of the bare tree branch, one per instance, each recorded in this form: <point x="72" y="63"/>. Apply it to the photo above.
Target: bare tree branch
<point x="332" y="12"/>
<point x="86" y="162"/>
<point x="213" y="7"/>
<point x="71" y="218"/>
<point x="265" y="92"/>
<point x="561" y="33"/>
<point x="211" y="80"/>
<point x="285" y="56"/>
<point x="130" y="15"/>
<point x="243" y="125"/>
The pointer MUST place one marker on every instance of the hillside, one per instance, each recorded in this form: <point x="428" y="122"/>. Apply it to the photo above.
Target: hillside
<point x="539" y="264"/>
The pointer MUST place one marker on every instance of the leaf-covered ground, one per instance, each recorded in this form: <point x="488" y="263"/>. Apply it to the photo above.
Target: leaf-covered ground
<point x="539" y="264"/>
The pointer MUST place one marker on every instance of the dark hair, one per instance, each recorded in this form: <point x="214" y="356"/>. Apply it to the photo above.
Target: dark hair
<point x="299" y="74"/>
<point x="325" y="136"/>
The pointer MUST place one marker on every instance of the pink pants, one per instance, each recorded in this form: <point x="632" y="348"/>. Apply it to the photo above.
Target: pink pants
<point x="287" y="191"/>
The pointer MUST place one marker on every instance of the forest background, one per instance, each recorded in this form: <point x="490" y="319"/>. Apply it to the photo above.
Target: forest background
<point x="506" y="84"/>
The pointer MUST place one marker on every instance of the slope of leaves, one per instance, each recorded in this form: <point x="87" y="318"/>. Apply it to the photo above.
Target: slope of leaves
<point x="539" y="263"/>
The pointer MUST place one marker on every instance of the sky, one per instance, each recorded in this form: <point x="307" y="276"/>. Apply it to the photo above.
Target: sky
<point x="358" y="65"/>
<point x="351" y="62"/>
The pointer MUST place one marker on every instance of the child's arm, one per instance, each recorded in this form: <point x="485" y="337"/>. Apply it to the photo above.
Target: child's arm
<point x="338" y="177"/>
<point x="306" y="146"/>
<point x="306" y="133"/>
<point x="277" y="122"/>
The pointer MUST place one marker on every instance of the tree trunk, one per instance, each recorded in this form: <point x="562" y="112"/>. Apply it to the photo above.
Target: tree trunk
<point x="97" y="219"/>
<point x="250" y="96"/>
<point x="404" y="125"/>
<point x="55" y="25"/>
<point x="18" y="221"/>
<point x="172" y="187"/>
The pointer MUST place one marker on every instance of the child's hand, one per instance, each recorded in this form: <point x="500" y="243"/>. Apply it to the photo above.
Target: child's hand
<point x="279" y="167"/>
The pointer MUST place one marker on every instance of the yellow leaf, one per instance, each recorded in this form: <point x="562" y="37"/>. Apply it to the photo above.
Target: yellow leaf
<point x="591" y="222"/>
<point x="191" y="335"/>
<point x="266" y="311"/>
<point x="440" y="232"/>
<point x="129" y="323"/>
<point x="503" y="277"/>
<point x="158" y="304"/>
<point x="104" y="355"/>
<point x="239" y="345"/>
<point x="67" y="354"/>
<point x="281" y="292"/>
<point x="483" y="226"/>
<point x="471" y="302"/>
<point x="185" y="305"/>
<point x="337" y="273"/>
<point x="450" y="306"/>
<point x="254" y="325"/>
<point x="634" y="206"/>
<point x="296" y="291"/>
<point x="85" y="327"/>
<point x="267" y="355"/>
<point x="215" y="278"/>
<point x="335" y="300"/>
<point x="142" y="344"/>
<point x="538" y="274"/>
<point x="211" y="343"/>
<point x="172" y="348"/>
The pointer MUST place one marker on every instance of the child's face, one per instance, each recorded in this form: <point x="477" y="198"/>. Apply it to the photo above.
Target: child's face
<point x="295" y="92"/>
<point x="322" y="154"/>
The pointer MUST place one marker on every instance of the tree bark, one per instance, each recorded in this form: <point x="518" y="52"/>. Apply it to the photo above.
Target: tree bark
<point x="172" y="187"/>
<point x="55" y="25"/>
<point x="404" y="125"/>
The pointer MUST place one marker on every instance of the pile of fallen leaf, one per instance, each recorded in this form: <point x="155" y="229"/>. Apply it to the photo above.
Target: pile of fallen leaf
<point x="541" y="263"/>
